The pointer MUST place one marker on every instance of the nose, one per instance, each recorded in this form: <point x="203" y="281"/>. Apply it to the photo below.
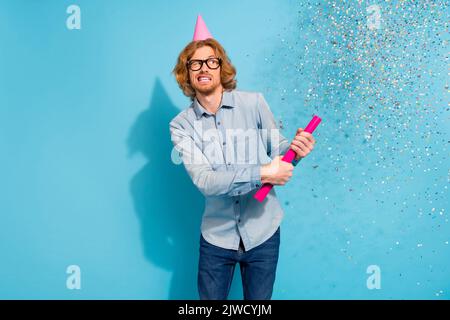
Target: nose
<point x="204" y="67"/>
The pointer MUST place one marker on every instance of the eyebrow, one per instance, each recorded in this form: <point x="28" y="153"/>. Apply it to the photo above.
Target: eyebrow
<point x="211" y="56"/>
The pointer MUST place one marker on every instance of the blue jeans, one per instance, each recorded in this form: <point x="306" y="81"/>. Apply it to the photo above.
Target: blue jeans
<point x="258" y="267"/>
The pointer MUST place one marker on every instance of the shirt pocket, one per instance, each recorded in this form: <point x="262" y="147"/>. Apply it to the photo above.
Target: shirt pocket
<point x="212" y="149"/>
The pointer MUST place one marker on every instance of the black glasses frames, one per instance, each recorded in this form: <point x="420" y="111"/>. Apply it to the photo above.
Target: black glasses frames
<point x="197" y="64"/>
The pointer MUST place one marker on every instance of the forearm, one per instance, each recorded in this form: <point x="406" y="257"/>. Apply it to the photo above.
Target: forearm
<point x="228" y="182"/>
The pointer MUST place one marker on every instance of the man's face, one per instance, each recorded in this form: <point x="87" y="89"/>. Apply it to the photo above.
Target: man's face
<point x="205" y="80"/>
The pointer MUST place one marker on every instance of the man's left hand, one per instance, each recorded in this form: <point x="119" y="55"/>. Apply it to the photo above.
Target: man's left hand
<point x="302" y="144"/>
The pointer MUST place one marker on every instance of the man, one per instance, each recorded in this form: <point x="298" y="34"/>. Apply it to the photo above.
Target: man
<point x="211" y="136"/>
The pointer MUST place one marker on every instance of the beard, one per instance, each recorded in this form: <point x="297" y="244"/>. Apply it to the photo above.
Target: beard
<point x="206" y="90"/>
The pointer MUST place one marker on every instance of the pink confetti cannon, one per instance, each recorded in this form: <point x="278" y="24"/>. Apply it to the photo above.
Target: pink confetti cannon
<point x="261" y="194"/>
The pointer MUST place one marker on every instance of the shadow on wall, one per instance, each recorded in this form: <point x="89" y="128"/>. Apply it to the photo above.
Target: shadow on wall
<point x="167" y="203"/>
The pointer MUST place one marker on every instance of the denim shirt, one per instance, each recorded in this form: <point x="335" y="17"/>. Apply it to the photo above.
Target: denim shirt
<point x="223" y="154"/>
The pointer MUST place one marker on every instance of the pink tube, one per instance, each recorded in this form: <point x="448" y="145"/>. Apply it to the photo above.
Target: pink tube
<point x="261" y="194"/>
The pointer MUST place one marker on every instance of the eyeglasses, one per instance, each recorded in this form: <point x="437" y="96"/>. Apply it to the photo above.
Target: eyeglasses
<point x="212" y="63"/>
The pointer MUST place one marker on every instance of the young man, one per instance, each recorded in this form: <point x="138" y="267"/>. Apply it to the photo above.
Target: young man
<point x="211" y="137"/>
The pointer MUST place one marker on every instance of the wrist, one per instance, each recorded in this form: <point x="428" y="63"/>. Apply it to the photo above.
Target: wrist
<point x="265" y="174"/>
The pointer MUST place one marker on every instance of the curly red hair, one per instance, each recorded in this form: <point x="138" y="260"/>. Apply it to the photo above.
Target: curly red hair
<point x="181" y="72"/>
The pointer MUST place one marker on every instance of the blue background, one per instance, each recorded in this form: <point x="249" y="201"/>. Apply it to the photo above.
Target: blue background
<point x="86" y="173"/>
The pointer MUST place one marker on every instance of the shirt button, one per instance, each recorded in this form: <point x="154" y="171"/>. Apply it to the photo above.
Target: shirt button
<point x="218" y="123"/>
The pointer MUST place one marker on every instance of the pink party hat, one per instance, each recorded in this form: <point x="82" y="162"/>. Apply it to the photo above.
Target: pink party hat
<point x="201" y="31"/>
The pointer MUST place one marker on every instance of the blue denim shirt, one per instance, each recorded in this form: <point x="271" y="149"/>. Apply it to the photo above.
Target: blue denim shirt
<point x="223" y="153"/>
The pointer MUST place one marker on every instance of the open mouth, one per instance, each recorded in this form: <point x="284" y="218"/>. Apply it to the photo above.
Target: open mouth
<point x="204" y="79"/>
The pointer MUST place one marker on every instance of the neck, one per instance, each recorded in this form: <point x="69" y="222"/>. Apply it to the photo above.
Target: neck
<point x="211" y="101"/>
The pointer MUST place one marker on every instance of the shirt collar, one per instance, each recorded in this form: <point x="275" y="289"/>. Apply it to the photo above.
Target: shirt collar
<point x="227" y="102"/>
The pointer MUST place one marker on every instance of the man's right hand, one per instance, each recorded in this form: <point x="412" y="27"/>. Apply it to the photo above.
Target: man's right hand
<point x="278" y="172"/>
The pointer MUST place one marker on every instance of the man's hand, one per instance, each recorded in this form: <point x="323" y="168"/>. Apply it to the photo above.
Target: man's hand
<point x="278" y="172"/>
<point x="302" y="144"/>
